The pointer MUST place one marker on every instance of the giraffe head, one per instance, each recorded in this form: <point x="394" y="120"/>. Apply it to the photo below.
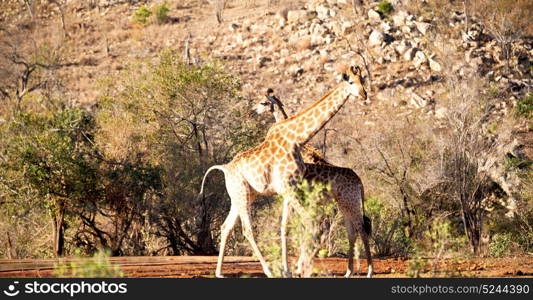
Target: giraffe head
<point x="354" y="82"/>
<point x="270" y="104"/>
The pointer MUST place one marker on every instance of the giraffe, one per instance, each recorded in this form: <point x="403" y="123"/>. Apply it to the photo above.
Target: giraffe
<point x="275" y="166"/>
<point x="346" y="186"/>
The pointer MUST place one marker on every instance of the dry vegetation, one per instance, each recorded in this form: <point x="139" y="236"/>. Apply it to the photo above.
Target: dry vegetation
<point x="111" y="111"/>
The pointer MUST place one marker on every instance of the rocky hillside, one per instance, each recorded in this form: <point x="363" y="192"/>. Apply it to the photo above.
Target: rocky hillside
<point x="408" y="51"/>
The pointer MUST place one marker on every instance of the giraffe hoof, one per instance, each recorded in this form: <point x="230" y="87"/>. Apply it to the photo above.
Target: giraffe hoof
<point x="287" y="274"/>
<point x="269" y="274"/>
<point x="348" y="274"/>
<point x="219" y="276"/>
<point x="370" y="272"/>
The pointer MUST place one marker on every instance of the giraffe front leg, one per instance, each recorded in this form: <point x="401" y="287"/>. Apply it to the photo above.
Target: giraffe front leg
<point x="248" y="233"/>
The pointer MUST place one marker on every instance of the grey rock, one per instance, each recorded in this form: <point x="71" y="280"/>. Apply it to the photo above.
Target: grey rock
<point x="409" y="54"/>
<point x="374" y="16"/>
<point x="297" y="16"/>
<point x="376" y="38"/>
<point x="434" y="65"/>
<point x="322" y="12"/>
<point x="423" y="27"/>
<point x="399" y="18"/>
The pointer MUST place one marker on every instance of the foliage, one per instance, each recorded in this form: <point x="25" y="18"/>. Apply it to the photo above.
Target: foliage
<point x="307" y="226"/>
<point x="160" y="12"/>
<point x="142" y="14"/>
<point x="308" y="229"/>
<point x="388" y="236"/>
<point x="98" y="266"/>
<point x="384" y="8"/>
<point x="179" y="118"/>
<point x="416" y="265"/>
<point x="524" y="106"/>
<point x="126" y="178"/>
<point x="48" y="154"/>
<point x="499" y="246"/>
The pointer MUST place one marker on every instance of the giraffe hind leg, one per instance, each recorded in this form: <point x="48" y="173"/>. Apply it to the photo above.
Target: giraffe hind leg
<point x="248" y="233"/>
<point x="365" y="238"/>
<point x="225" y="230"/>
<point x="350" y="230"/>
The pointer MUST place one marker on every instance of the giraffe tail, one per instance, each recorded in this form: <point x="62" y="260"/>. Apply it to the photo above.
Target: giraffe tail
<point x="215" y="167"/>
<point x="367" y="222"/>
<point x="367" y="225"/>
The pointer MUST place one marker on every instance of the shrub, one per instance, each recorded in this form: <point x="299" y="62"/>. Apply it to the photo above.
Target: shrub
<point x="384" y="8"/>
<point x="181" y="119"/>
<point x="499" y="246"/>
<point x="97" y="266"/>
<point x="524" y="106"/>
<point x="161" y="11"/>
<point x="307" y="225"/>
<point x="142" y="14"/>
<point x="416" y="265"/>
<point x="387" y="235"/>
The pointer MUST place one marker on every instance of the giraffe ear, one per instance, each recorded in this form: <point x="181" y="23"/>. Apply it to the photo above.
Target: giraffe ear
<point x="356" y="70"/>
<point x="345" y="77"/>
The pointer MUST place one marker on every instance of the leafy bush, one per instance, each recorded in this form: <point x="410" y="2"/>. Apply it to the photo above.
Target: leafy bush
<point x="97" y="266"/>
<point x="142" y="14"/>
<point x="307" y="224"/>
<point x="161" y="11"/>
<point x="499" y="246"/>
<point x="524" y="106"/>
<point x="388" y="236"/>
<point x="416" y="265"/>
<point x="384" y="8"/>
<point x="180" y="119"/>
<point x="308" y="229"/>
<point x="47" y="156"/>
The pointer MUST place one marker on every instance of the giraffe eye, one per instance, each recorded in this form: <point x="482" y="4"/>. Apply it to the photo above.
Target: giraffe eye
<point x="265" y="103"/>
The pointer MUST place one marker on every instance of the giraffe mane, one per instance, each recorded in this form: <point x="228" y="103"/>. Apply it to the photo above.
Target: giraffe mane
<point x="310" y="107"/>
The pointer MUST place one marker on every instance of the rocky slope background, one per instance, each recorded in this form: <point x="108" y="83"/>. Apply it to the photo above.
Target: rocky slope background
<point x="444" y="140"/>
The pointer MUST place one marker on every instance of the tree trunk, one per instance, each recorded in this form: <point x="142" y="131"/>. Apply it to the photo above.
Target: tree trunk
<point x="472" y="227"/>
<point x="59" y="236"/>
<point x="204" y="238"/>
<point x="10" y="251"/>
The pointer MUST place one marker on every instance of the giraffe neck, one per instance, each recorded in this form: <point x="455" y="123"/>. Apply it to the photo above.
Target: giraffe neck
<point x="279" y="113"/>
<point x="302" y="127"/>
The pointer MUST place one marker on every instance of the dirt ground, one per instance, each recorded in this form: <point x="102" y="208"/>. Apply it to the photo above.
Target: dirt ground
<point x="204" y="266"/>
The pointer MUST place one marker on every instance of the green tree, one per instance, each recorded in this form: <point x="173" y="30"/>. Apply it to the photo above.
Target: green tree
<point x="180" y="118"/>
<point x="46" y="154"/>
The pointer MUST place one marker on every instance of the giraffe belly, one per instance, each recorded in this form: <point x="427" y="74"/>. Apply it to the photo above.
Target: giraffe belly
<point x="259" y="180"/>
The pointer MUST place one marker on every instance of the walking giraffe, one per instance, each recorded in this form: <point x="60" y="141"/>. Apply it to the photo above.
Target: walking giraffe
<point x="346" y="186"/>
<point x="275" y="166"/>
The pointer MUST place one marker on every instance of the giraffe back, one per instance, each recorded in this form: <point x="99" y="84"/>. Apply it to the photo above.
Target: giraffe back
<point x="312" y="155"/>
